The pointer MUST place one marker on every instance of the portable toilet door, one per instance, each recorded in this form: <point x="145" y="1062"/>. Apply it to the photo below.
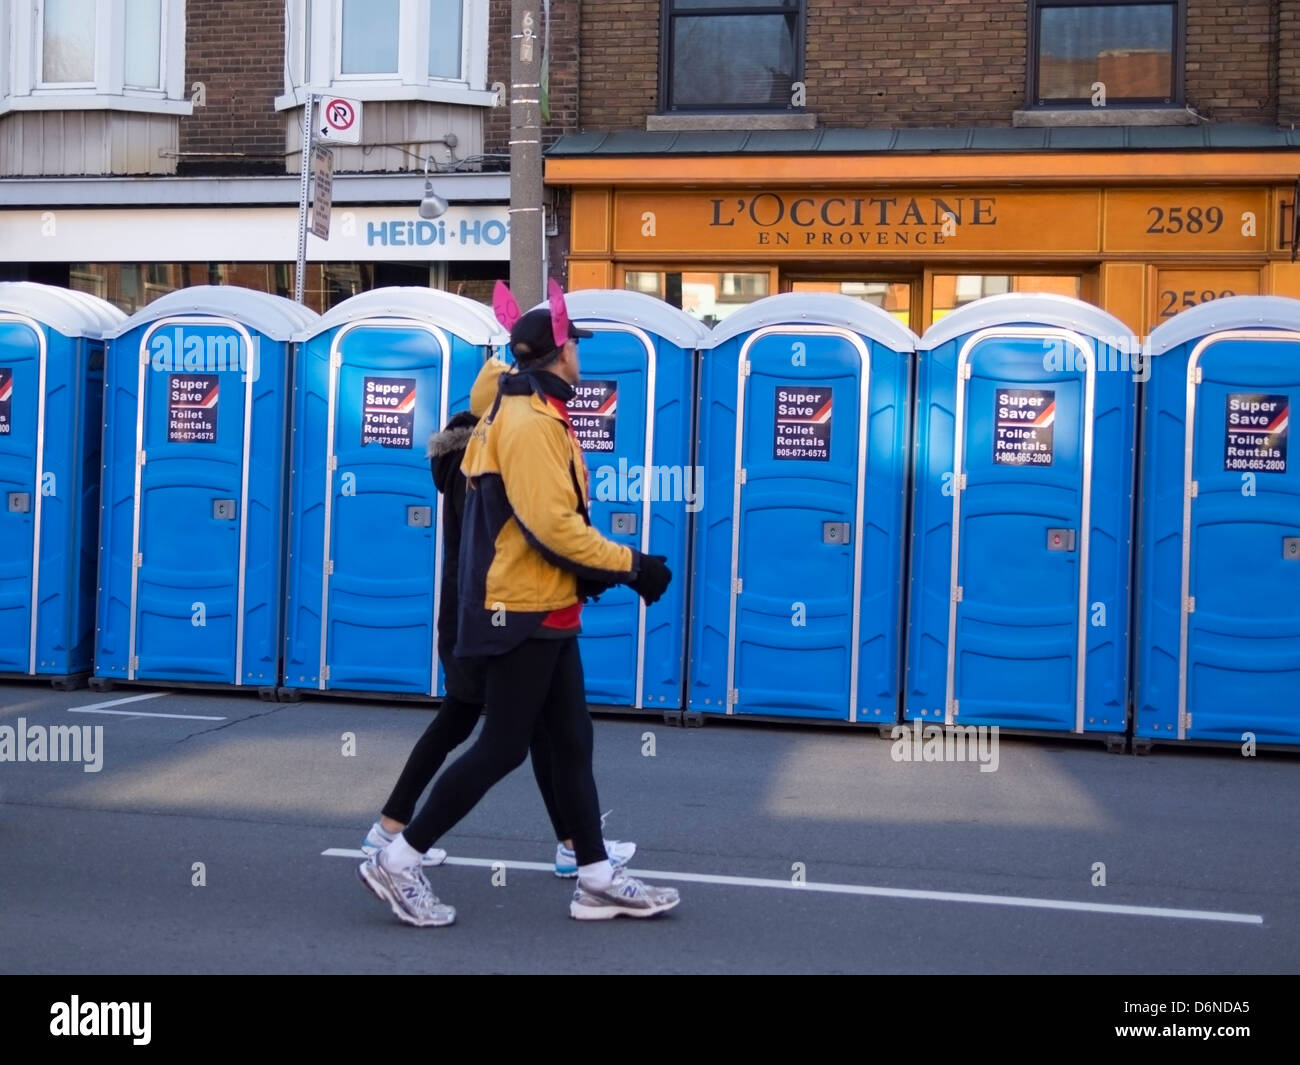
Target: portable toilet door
<point x="191" y="547"/>
<point x="632" y="413"/>
<point x="1219" y="563"/>
<point x="377" y="375"/>
<point x="51" y="404"/>
<point x="804" y="429"/>
<point x="1021" y="522"/>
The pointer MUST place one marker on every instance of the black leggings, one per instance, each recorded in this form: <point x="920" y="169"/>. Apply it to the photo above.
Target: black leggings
<point x="536" y="688"/>
<point x="451" y="726"/>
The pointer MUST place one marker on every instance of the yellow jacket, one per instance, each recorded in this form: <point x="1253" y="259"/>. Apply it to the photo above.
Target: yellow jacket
<point x="526" y="538"/>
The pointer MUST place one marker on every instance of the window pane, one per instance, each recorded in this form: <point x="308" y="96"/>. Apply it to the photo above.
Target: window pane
<point x="444" y="38"/>
<point x="892" y="296"/>
<point x="143" y="42"/>
<point x="951" y="291"/>
<point x="68" y="41"/>
<point x="732" y="61"/>
<point x="370" y="36"/>
<point x="1127" y="49"/>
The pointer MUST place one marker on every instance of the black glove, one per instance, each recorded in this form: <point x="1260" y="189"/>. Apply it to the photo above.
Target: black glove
<point x="589" y="589"/>
<point x="652" y="578"/>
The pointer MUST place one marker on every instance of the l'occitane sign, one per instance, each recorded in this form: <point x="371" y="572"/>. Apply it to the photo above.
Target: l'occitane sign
<point x="876" y="222"/>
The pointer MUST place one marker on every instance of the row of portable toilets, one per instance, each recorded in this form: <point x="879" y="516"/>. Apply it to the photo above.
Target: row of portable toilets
<point x="864" y="526"/>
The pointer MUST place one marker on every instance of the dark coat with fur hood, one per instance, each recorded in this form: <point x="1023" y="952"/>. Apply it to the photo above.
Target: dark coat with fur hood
<point x="446" y="450"/>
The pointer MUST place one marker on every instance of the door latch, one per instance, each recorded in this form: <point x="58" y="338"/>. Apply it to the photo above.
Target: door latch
<point x="1290" y="548"/>
<point x="835" y="532"/>
<point x="223" y="509"/>
<point x="1060" y="539"/>
<point x="20" y="502"/>
<point x="419" y="517"/>
<point x="623" y="524"/>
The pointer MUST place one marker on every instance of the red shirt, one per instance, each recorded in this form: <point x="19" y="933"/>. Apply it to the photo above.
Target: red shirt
<point x="569" y="617"/>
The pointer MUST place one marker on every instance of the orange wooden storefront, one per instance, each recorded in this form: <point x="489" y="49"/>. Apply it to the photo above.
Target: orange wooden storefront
<point x="1141" y="234"/>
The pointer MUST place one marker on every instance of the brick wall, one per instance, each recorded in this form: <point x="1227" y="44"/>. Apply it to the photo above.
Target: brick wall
<point x="943" y="62"/>
<point x="236" y="48"/>
<point x="1230" y="59"/>
<point x="564" y="66"/>
<point x="1288" y="63"/>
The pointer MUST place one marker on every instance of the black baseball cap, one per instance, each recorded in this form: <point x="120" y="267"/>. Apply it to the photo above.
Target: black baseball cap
<point x="532" y="340"/>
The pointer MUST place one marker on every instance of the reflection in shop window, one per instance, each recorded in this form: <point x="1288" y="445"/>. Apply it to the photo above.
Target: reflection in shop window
<point x="893" y="297"/>
<point x="950" y="291"/>
<point x="706" y="295"/>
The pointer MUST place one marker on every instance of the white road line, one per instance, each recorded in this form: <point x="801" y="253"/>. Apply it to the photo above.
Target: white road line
<point x="881" y="892"/>
<point x="102" y="708"/>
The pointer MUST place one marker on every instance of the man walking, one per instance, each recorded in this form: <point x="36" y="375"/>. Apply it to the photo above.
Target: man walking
<point x="528" y="556"/>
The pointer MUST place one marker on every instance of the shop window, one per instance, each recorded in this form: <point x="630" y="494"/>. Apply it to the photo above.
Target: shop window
<point x="894" y="297"/>
<point x="1116" y="52"/>
<point x="731" y="54"/>
<point x="706" y="295"/>
<point x="388" y="50"/>
<point x="950" y="291"/>
<point x="112" y="54"/>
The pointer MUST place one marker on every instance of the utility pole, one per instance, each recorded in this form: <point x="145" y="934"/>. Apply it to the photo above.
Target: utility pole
<point x="525" y="154"/>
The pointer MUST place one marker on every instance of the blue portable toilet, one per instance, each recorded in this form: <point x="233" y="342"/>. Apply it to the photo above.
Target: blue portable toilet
<point x="51" y="410"/>
<point x="376" y="376"/>
<point x="192" y="527"/>
<point x="1018" y="606"/>
<point x="1218" y="618"/>
<point x="798" y="563"/>
<point x="632" y="413"/>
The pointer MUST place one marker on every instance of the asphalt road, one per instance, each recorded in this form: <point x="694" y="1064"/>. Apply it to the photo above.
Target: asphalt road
<point x="906" y="867"/>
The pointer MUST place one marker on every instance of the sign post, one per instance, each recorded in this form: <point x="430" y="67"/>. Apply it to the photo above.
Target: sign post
<point x="340" y="123"/>
<point x="302" y="198"/>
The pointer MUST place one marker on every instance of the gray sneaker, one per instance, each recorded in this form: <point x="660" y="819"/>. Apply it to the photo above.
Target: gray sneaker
<point x="407" y="892"/>
<point x="625" y="897"/>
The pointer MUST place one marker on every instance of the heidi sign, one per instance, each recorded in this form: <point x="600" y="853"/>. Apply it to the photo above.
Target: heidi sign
<point x="849" y="222"/>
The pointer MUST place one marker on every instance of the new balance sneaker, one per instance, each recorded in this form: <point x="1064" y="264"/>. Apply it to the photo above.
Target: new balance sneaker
<point x="407" y="892"/>
<point x="625" y="897"/>
<point x="566" y="861"/>
<point x="377" y="839"/>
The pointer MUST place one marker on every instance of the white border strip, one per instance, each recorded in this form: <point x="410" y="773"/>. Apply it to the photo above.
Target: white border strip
<point x="878" y="892"/>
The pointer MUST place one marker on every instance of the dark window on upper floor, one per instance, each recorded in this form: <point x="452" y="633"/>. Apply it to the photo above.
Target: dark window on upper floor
<point x="731" y="55"/>
<point x="1109" y="53"/>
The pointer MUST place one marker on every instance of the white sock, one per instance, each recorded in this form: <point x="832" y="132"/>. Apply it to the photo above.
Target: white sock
<point x="399" y="854"/>
<point x="597" y="876"/>
<point x="382" y="832"/>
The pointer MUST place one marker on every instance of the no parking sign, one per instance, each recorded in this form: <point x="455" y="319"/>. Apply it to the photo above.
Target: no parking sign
<point x="340" y="120"/>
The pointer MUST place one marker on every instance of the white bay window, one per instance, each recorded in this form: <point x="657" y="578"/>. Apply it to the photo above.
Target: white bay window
<point x="61" y="55"/>
<point x="433" y="50"/>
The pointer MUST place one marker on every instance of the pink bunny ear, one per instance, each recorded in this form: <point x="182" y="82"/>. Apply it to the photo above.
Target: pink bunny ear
<point x="504" y="305"/>
<point x="559" y="313"/>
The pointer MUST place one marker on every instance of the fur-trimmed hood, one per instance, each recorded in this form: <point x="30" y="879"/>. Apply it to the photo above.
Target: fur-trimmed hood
<point x="447" y="447"/>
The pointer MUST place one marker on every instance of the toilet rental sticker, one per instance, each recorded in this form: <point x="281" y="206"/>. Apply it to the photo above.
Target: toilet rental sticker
<point x="593" y="411"/>
<point x="1024" y="418"/>
<point x="1254" y="438"/>
<point x="6" y="398"/>
<point x="192" y="408"/>
<point x="388" y="411"/>
<point x="803" y="423"/>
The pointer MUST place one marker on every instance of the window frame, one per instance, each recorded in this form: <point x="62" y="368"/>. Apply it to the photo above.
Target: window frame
<point x="1178" y="59"/>
<point x="22" y="87"/>
<point x="669" y="12"/>
<point x="313" y="46"/>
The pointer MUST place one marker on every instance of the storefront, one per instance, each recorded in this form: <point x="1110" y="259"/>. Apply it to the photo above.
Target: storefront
<point x="1141" y="233"/>
<point x="130" y="255"/>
